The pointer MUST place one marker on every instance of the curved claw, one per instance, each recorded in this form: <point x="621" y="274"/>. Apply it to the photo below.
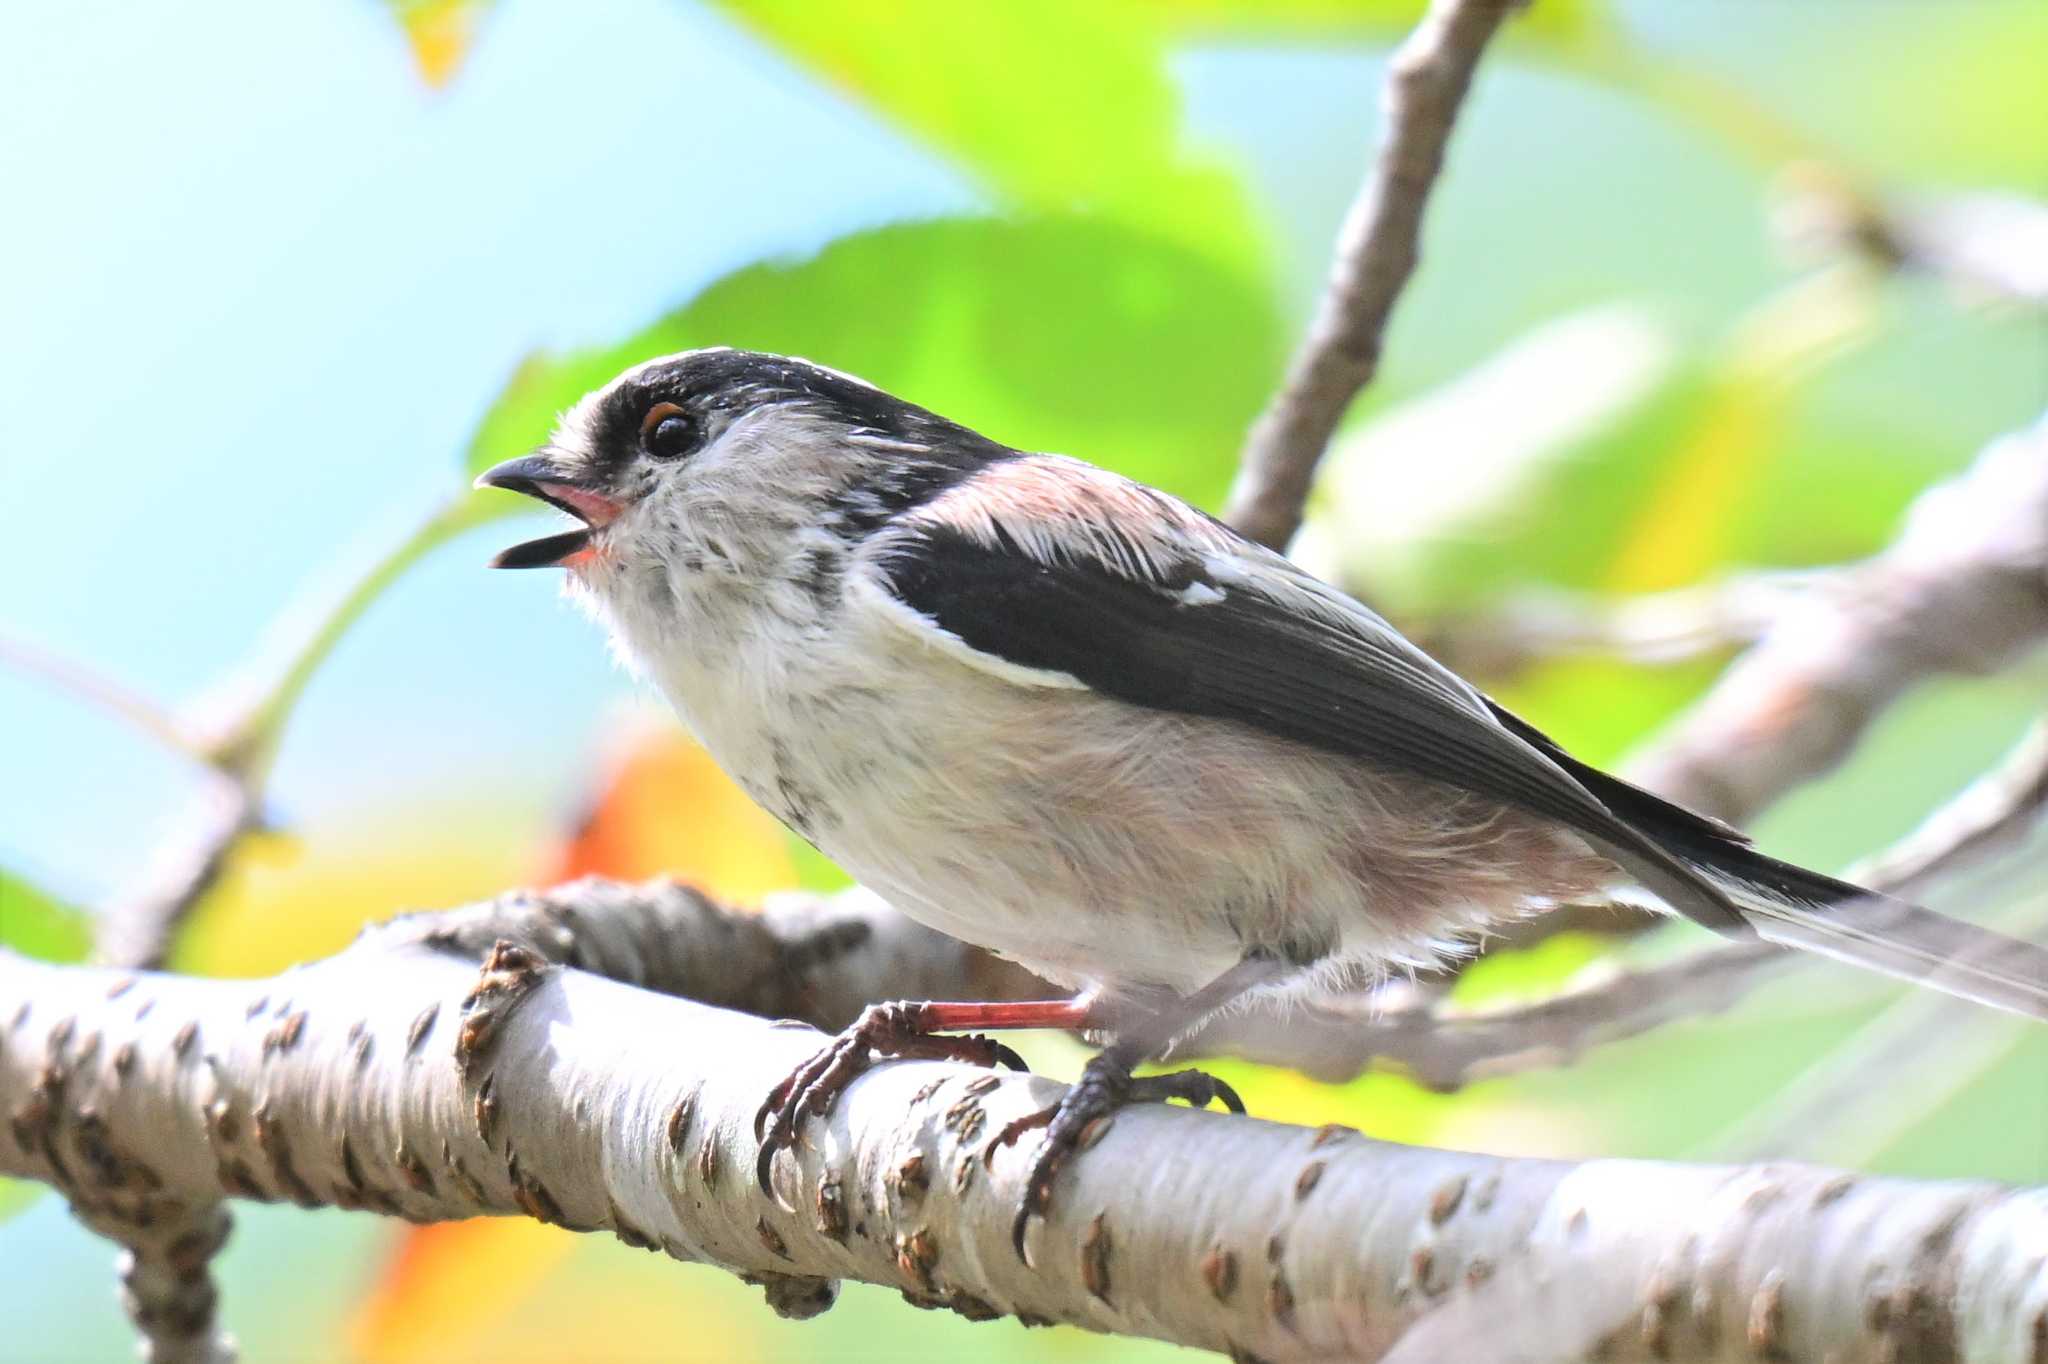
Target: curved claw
<point x="1018" y="1227"/>
<point x="1105" y="1086"/>
<point x="813" y="1087"/>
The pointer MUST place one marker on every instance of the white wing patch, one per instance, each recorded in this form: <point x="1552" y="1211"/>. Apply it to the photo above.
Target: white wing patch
<point x="865" y="594"/>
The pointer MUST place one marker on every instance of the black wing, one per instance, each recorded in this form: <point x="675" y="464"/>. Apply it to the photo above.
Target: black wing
<point x="1236" y="633"/>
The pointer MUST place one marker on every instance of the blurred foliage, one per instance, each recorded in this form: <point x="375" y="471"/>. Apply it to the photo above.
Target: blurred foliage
<point x="440" y="32"/>
<point x="39" y="925"/>
<point x="1122" y="299"/>
<point x="722" y="841"/>
<point x="1156" y="362"/>
<point x="1562" y="22"/>
<point x="1014" y="91"/>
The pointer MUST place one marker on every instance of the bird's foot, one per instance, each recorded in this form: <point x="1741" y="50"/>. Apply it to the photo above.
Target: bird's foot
<point x="900" y="1030"/>
<point x="1106" y="1084"/>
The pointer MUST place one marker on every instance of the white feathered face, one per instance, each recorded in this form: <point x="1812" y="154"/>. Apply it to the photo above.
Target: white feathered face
<point x="729" y="470"/>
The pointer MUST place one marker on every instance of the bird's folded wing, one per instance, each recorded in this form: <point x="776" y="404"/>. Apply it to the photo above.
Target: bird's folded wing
<point x="1197" y="622"/>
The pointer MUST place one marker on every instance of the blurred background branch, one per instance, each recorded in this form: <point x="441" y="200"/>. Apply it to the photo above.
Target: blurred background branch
<point x="1964" y="588"/>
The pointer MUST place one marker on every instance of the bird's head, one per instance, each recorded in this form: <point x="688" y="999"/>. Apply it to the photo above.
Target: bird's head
<point x="728" y="466"/>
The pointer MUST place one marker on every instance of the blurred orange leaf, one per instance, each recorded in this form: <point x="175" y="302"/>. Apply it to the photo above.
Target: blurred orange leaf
<point x="665" y="808"/>
<point x="447" y="1280"/>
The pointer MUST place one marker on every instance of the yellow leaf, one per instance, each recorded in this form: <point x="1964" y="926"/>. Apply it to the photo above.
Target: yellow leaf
<point x="285" y="899"/>
<point x="1682" y="531"/>
<point x="441" y="33"/>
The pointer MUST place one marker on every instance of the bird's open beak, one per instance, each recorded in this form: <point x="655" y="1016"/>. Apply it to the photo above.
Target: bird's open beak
<point x="560" y="487"/>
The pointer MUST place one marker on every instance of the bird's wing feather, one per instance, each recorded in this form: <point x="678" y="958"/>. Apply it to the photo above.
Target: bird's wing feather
<point x="1055" y="567"/>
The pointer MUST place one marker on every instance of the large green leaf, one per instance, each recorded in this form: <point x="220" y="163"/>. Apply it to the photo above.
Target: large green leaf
<point x="1077" y="335"/>
<point x="1059" y="105"/>
<point x="37" y="925"/>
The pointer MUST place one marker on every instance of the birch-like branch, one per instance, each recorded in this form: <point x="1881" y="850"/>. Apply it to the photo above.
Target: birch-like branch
<point x="1377" y="249"/>
<point x="395" y="1077"/>
<point x="1963" y="589"/>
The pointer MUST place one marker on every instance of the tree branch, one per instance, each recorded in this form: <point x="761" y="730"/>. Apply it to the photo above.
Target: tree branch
<point x="1653" y="629"/>
<point x="394" y="1077"/>
<point x="1377" y="249"/>
<point x="1964" y="588"/>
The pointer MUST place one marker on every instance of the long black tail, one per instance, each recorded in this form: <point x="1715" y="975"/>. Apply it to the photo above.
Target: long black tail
<point x="1801" y="908"/>
<point x="1789" y="904"/>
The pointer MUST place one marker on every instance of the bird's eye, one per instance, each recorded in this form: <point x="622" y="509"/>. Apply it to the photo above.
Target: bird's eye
<point x="667" y="432"/>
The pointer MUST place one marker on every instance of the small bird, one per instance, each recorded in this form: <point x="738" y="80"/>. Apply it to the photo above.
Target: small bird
<point x="1078" y="722"/>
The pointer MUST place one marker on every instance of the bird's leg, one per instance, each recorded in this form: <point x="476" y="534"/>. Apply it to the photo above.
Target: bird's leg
<point x="905" y="1030"/>
<point x="1106" y="1082"/>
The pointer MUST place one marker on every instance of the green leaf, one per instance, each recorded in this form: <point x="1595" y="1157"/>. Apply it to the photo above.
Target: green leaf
<point x="17" y="1194"/>
<point x="37" y="925"/>
<point x="1587" y="455"/>
<point x="1547" y="21"/>
<point x="1075" y="335"/>
<point x="1059" y="105"/>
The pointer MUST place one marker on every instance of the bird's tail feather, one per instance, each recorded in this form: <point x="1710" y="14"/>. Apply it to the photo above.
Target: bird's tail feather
<point x="1702" y="868"/>
<point x="1799" y="908"/>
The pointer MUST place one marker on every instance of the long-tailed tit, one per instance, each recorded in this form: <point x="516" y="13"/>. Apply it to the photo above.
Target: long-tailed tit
<point x="1075" y="721"/>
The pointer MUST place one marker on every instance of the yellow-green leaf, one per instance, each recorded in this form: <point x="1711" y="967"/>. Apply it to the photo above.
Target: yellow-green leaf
<point x="1067" y="334"/>
<point x="38" y="925"/>
<point x="1059" y="105"/>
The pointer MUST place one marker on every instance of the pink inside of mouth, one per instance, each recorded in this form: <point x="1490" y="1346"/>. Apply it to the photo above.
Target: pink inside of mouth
<point x="595" y="509"/>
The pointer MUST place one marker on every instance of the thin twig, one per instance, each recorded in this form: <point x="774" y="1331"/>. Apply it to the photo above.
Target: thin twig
<point x="1993" y="812"/>
<point x="239" y="740"/>
<point x="1377" y="249"/>
<point x="96" y="688"/>
<point x="137" y="927"/>
<point x="1655" y="629"/>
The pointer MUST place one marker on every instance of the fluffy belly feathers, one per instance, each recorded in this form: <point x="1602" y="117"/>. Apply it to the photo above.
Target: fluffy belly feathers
<point x="1100" y="844"/>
